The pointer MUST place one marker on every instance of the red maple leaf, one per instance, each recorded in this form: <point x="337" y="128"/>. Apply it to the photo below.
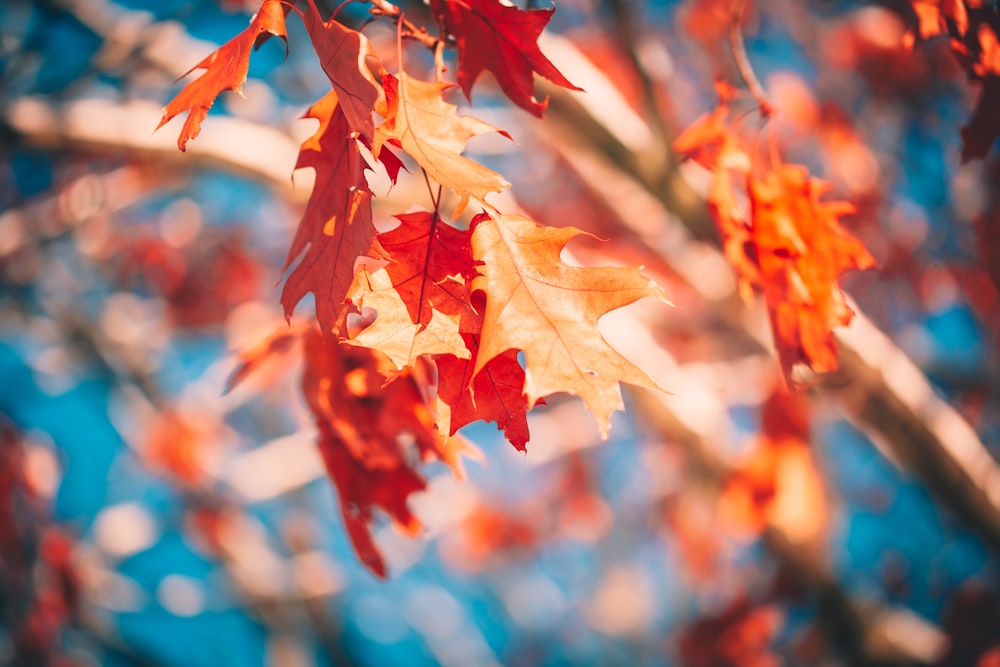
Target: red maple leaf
<point x="336" y="227"/>
<point x="342" y="53"/>
<point x="495" y="394"/>
<point x="504" y="40"/>
<point x="225" y="69"/>
<point x="422" y="294"/>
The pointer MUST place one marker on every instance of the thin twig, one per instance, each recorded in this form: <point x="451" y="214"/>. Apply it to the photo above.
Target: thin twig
<point x="743" y="61"/>
<point x="625" y="33"/>
<point x="408" y="29"/>
<point x="439" y="67"/>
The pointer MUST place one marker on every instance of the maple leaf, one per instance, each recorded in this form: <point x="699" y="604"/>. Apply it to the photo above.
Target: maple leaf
<point x="432" y="133"/>
<point x="365" y="411"/>
<point x="342" y="53"/>
<point x="537" y="303"/>
<point x="225" y="69"/>
<point x="802" y="250"/>
<point x="336" y="227"/>
<point x="503" y="39"/>
<point x="422" y="294"/>
<point x="494" y="394"/>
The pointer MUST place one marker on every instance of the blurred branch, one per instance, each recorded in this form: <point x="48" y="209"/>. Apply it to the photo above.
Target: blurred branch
<point x="613" y="129"/>
<point x="864" y="633"/>
<point x="743" y="60"/>
<point x="232" y="144"/>
<point x="629" y="41"/>
<point x="126" y="33"/>
<point x="890" y="399"/>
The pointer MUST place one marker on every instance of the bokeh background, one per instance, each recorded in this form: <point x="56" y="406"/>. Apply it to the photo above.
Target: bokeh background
<point x="147" y="517"/>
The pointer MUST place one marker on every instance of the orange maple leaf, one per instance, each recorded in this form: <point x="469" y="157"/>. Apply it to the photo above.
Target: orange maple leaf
<point x="337" y="226"/>
<point x="537" y="303"/>
<point x="503" y="39"/>
<point x="225" y="69"/>
<point x="778" y="484"/>
<point x="422" y="294"/>
<point x="429" y="129"/>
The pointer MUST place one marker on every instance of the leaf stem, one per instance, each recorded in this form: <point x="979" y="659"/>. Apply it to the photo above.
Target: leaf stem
<point x="408" y="29"/>
<point x="743" y="61"/>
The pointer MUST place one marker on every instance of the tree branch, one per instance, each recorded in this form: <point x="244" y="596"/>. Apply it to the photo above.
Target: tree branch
<point x="743" y="61"/>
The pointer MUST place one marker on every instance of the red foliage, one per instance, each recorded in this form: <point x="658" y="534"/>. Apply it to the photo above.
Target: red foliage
<point x="739" y="636"/>
<point x="376" y="426"/>
<point x="37" y="576"/>
<point x="503" y="39"/>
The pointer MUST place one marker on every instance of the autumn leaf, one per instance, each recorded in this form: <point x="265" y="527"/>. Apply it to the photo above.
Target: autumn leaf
<point x="777" y="484"/>
<point x="365" y="411"/>
<point x="503" y="39"/>
<point x="342" y="53"/>
<point x="422" y="294"/>
<point x="261" y="357"/>
<point x="494" y="394"/>
<point x="225" y="69"/>
<point x="537" y="303"/>
<point x="432" y="133"/>
<point x="336" y="227"/>
<point x="802" y="250"/>
<point x="791" y="246"/>
<point x="174" y="443"/>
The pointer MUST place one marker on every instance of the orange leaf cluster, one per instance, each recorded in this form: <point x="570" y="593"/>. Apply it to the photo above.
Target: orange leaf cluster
<point x="789" y="245"/>
<point x="971" y="26"/>
<point x="455" y="309"/>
